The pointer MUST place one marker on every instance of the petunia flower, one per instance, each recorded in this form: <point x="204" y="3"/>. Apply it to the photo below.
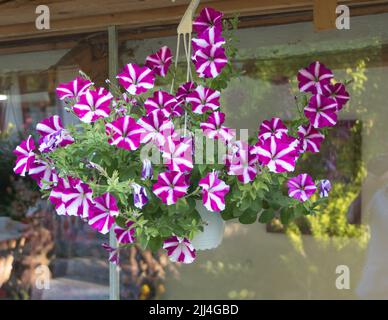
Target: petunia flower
<point x="125" y="235"/>
<point x="177" y="111"/>
<point x="140" y="198"/>
<point x="114" y="254"/>
<point x="272" y="128"/>
<point x="156" y="128"/>
<point x="25" y="156"/>
<point x="73" y="89"/>
<point x="161" y="100"/>
<point x="102" y="214"/>
<point x="214" y="191"/>
<point x="279" y="155"/>
<point x="160" y="61"/>
<point x="207" y="19"/>
<point x="214" y="129"/>
<point x="179" y="249"/>
<point x="324" y="188"/>
<point x="147" y="172"/>
<point x="337" y="92"/>
<point x="56" y="193"/>
<point x="207" y="39"/>
<point x="135" y="79"/>
<point x="78" y="200"/>
<point x="321" y="111"/>
<point x="301" y="187"/>
<point x="93" y="105"/>
<point x="184" y="90"/>
<point x="210" y="61"/>
<point x="44" y="173"/>
<point x="124" y="133"/>
<point x="177" y="153"/>
<point x="310" y="138"/>
<point x="241" y="162"/>
<point x="203" y="99"/>
<point x="170" y="187"/>
<point x="314" y="78"/>
<point x="53" y="134"/>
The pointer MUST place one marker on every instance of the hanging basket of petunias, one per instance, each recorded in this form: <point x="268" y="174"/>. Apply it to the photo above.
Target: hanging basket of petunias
<point x="128" y="166"/>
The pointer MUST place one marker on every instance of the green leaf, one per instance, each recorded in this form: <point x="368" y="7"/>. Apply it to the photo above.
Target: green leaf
<point x="143" y="241"/>
<point x="286" y="215"/>
<point x="202" y="168"/>
<point x="182" y="205"/>
<point x="266" y="216"/>
<point x="155" y="243"/>
<point x="248" y="217"/>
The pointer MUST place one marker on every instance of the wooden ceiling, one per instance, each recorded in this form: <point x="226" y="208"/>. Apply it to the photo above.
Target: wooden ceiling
<point x="17" y="17"/>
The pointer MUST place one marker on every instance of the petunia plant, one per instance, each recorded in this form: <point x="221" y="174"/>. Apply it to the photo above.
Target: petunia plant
<point x="134" y="164"/>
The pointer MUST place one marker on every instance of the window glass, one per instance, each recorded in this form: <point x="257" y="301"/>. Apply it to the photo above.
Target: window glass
<point x="43" y="255"/>
<point x="306" y="259"/>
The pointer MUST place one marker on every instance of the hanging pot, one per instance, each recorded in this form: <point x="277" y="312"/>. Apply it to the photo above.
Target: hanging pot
<point x="213" y="230"/>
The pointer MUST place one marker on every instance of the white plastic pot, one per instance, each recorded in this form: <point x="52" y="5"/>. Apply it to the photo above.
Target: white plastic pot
<point x="213" y="231"/>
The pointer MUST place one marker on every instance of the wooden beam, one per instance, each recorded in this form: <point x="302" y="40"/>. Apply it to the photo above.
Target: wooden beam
<point x="324" y="14"/>
<point x="163" y="21"/>
<point x="138" y="16"/>
<point x="144" y="17"/>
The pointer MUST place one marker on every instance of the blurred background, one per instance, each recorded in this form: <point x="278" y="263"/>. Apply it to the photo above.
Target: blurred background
<point x="44" y="256"/>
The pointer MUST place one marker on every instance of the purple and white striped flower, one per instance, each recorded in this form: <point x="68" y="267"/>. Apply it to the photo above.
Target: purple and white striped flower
<point x="78" y="200"/>
<point x="324" y="188"/>
<point x="160" y="61"/>
<point x="44" y="174"/>
<point x="140" y="198"/>
<point x="56" y="193"/>
<point x="102" y="214"/>
<point x="161" y="100"/>
<point x="272" y="128"/>
<point x="214" y="129"/>
<point x="314" y="78"/>
<point x="156" y="128"/>
<point x="301" y="187"/>
<point x="147" y="172"/>
<point x="310" y="138"/>
<point x="241" y="162"/>
<point x="337" y="92"/>
<point x="184" y="90"/>
<point x="93" y="105"/>
<point x="25" y="156"/>
<point x="210" y="61"/>
<point x="73" y="89"/>
<point x="321" y="111"/>
<point x="177" y="154"/>
<point x="207" y="39"/>
<point x="170" y="187"/>
<point x="177" y="111"/>
<point x="207" y="19"/>
<point x="53" y="134"/>
<point x="124" y="133"/>
<point x="135" y="79"/>
<point x="114" y="254"/>
<point x="279" y="155"/>
<point x="179" y="249"/>
<point x="203" y="99"/>
<point x="127" y="234"/>
<point x="214" y="191"/>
